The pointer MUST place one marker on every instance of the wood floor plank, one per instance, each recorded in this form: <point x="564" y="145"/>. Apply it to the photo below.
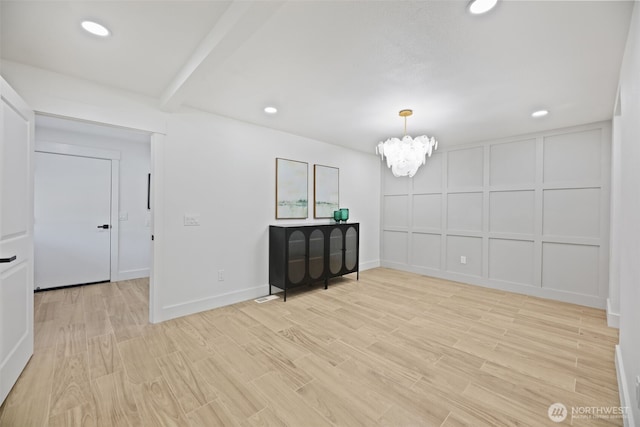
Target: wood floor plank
<point x="361" y="399"/>
<point x="276" y="361"/>
<point x="72" y="339"/>
<point x="36" y="379"/>
<point x="158" y="406"/>
<point x="332" y="406"/>
<point x="190" y="340"/>
<point x="281" y="399"/>
<point x="392" y="349"/>
<point x="47" y="311"/>
<point x="158" y="340"/>
<point x="104" y="356"/>
<point x="124" y="326"/>
<point x="97" y="323"/>
<point x="239" y="399"/>
<point x="264" y="418"/>
<point x="115" y="401"/>
<point x="239" y="359"/>
<point x="188" y="386"/>
<point x="79" y="416"/>
<point x="71" y="386"/>
<point x="212" y="414"/>
<point x="30" y="412"/>
<point x="72" y="295"/>
<point x="46" y="334"/>
<point x="138" y="363"/>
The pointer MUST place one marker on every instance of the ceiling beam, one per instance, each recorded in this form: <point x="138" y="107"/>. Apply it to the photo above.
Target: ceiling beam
<point x="171" y="98"/>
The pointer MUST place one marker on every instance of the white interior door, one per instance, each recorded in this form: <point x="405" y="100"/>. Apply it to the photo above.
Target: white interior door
<point x="16" y="237"/>
<point x="72" y="220"/>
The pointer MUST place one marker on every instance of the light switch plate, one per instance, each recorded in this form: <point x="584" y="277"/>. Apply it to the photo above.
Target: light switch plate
<point x="191" y="219"/>
<point x="463" y="259"/>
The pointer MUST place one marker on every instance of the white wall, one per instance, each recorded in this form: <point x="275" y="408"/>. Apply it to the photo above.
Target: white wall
<point x="224" y="171"/>
<point x="134" y="238"/>
<point x="530" y="214"/>
<point x="628" y="208"/>
<point x="219" y="168"/>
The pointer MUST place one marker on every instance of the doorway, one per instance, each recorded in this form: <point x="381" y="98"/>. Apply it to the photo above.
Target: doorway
<point x="72" y="229"/>
<point x="98" y="178"/>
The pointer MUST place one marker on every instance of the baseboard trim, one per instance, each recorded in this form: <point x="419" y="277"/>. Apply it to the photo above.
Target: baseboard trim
<point x="586" y="300"/>
<point x="368" y="265"/>
<point x="613" y="319"/>
<point x="132" y="274"/>
<point x="208" y="303"/>
<point x="623" y="389"/>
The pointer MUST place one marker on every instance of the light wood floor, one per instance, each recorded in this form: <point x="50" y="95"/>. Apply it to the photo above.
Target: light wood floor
<point x="394" y="349"/>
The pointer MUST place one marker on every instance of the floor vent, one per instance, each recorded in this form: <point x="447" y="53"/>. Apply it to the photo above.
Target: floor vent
<point x="265" y="299"/>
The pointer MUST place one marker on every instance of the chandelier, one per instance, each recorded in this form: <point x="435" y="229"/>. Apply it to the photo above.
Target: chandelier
<point x="404" y="156"/>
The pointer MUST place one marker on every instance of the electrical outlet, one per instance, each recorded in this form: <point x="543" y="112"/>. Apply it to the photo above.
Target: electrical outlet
<point x="191" y="219"/>
<point x="463" y="259"/>
<point x="124" y="216"/>
<point x="220" y="275"/>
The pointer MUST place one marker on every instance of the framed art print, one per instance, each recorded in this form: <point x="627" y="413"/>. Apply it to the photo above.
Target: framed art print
<point x="326" y="191"/>
<point x="292" y="199"/>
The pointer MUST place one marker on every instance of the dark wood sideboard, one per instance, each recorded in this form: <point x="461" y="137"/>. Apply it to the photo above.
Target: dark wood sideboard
<point x="305" y="254"/>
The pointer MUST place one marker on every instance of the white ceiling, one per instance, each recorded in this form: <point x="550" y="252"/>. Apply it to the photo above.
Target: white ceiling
<point x="339" y="71"/>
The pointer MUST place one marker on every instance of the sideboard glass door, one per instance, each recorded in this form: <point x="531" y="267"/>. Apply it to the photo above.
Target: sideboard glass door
<point x="297" y="256"/>
<point x="351" y="248"/>
<point x="316" y="254"/>
<point x="335" y="251"/>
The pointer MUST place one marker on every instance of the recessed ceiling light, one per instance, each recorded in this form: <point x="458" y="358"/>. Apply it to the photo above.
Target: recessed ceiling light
<point x="481" y="6"/>
<point x="95" y="28"/>
<point x="270" y="110"/>
<point x="539" y="113"/>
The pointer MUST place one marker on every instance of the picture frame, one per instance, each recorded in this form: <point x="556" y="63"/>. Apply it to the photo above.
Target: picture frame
<point x="292" y="196"/>
<point x="326" y="191"/>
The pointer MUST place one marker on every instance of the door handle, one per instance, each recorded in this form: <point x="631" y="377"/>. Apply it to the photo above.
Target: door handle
<point x="10" y="259"/>
<point x="104" y="226"/>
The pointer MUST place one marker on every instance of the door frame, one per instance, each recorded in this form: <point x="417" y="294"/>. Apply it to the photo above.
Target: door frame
<point x="97" y="153"/>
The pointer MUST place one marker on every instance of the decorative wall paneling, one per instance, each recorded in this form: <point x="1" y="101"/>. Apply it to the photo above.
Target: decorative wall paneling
<point x="530" y="214"/>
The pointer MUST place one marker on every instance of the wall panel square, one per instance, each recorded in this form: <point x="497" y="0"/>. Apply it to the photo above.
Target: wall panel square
<point x="427" y="211"/>
<point x="572" y="212"/>
<point x="465" y="168"/>
<point x="464" y="211"/>
<point x="425" y="250"/>
<point x="511" y="261"/>
<point x="512" y="212"/>
<point x="470" y="247"/>
<point x="573" y="157"/>
<point x="513" y="163"/>
<point x="395" y="211"/>
<point x="429" y="176"/>
<point x="394" y="246"/>
<point x="570" y="268"/>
